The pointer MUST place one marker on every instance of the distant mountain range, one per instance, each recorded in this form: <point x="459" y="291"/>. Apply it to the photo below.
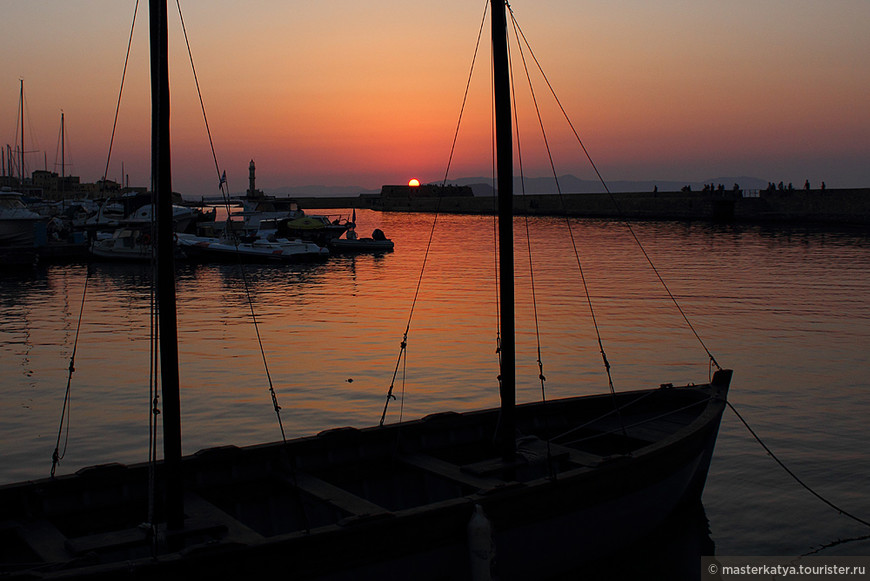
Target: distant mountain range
<point x="568" y="184"/>
<point x="318" y="191"/>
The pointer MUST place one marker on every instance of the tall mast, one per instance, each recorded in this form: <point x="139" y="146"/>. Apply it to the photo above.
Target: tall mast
<point x="62" y="153"/>
<point x="162" y="192"/>
<point x="504" y="158"/>
<point x="21" y="155"/>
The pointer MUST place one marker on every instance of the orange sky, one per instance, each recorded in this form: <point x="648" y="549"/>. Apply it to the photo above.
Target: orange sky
<point x="363" y="94"/>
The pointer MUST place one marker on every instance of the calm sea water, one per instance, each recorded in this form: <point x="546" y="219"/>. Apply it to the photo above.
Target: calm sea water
<point x="786" y="308"/>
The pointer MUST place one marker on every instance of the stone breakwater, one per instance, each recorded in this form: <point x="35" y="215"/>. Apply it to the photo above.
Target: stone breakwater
<point x="832" y="206"/>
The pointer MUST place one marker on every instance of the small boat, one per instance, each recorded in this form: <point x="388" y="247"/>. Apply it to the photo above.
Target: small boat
<point x="17" y="222"/>
<point x="351" y="243"/>
<point x="262" y="247"/>
<point x="112" y="211"/>
<point x="183" y="216"/>
<point x="131" y="242"/>
<point x="317" y="228"/>
<point x="138" y="207"/>
<point x="292" y="221"/>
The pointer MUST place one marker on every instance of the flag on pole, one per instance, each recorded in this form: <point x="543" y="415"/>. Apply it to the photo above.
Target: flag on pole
<point x="223" y="179"/>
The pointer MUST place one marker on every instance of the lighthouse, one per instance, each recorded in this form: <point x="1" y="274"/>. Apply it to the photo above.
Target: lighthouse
<point x="253" y="192"/>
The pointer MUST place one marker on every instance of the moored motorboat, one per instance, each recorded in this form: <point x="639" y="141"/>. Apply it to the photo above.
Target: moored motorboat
<point x="17" y="222"/>
<point x="258" y="248"/>
<point x="318" y="228"/>
<point x="378" y="242"/>
<point x="131" y="242"/>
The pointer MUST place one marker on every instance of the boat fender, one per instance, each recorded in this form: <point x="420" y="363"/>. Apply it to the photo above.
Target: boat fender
<point x="481" y="547"/>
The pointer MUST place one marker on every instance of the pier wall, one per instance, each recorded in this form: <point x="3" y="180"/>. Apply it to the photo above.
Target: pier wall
<point x="836" y="206"/>
<point x="842" y="206"/>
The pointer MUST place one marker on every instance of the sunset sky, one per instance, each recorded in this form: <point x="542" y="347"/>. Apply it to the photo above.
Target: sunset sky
<point x="342" y="93"/>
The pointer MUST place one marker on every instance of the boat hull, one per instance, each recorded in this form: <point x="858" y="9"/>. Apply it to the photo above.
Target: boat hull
<point x="396" y="500"/>
<point x="360" y="245"/>
<point x="205" y="249"/>
<point x="17" y="231"/>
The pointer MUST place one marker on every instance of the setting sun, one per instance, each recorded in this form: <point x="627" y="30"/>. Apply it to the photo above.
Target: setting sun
<point x="414" y="182"/>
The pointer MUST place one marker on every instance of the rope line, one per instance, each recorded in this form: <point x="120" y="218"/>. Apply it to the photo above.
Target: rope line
<point x="153" y="397"/>
<point x="792" y="474"/>
<point x="601" y="417"/>
<point x="518" y="34"/>
<point x="404" y="344"/>
<point x="224" y="187"/>
<point x="58" y="455"/>
<point x="614" y="201"/>
<point x="121" y="92"/>
<point x="465" y="97"/>
<point x="494" y="221"/>
<point x="198" y="92"/>
<point x="532" y="289"/>
<point x="636" y="424"/>
<point x="821" y="548"/>
<point x="540" y="360"/>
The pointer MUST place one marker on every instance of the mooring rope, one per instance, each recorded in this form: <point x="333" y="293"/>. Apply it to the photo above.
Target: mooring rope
<point x="792" y="474"/>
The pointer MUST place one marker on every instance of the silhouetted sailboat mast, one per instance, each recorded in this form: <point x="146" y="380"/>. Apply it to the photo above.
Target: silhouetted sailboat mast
<point x="167" y="325"/>
<point x="504" y="159"/>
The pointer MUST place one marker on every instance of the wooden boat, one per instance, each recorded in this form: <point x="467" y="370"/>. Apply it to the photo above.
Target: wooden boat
<point x="519" y="491"/>
<point x="394" y="500"/>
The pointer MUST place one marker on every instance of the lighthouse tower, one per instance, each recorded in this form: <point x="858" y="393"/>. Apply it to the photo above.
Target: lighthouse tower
<point x="253" y="192"/>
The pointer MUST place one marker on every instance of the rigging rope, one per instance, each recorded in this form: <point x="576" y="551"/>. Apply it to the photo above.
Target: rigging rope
<point x="495" y="257"/>
<point x="541" y="377"/>
<point x="224" y="187"/>
<point x="518" y="34"/>
<point x="58" y="455"/>
<point x="526" y="223"/>
<point x="465" y="96"/>
<point x="153" y="394"/>
<point x="198" y="92"/>
<point x="404" y="344"/>
<point x="613" y="199"/>
<point x="120" y="92"/>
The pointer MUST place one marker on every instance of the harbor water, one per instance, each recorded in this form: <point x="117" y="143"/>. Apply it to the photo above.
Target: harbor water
<point x="787" y="308"/>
